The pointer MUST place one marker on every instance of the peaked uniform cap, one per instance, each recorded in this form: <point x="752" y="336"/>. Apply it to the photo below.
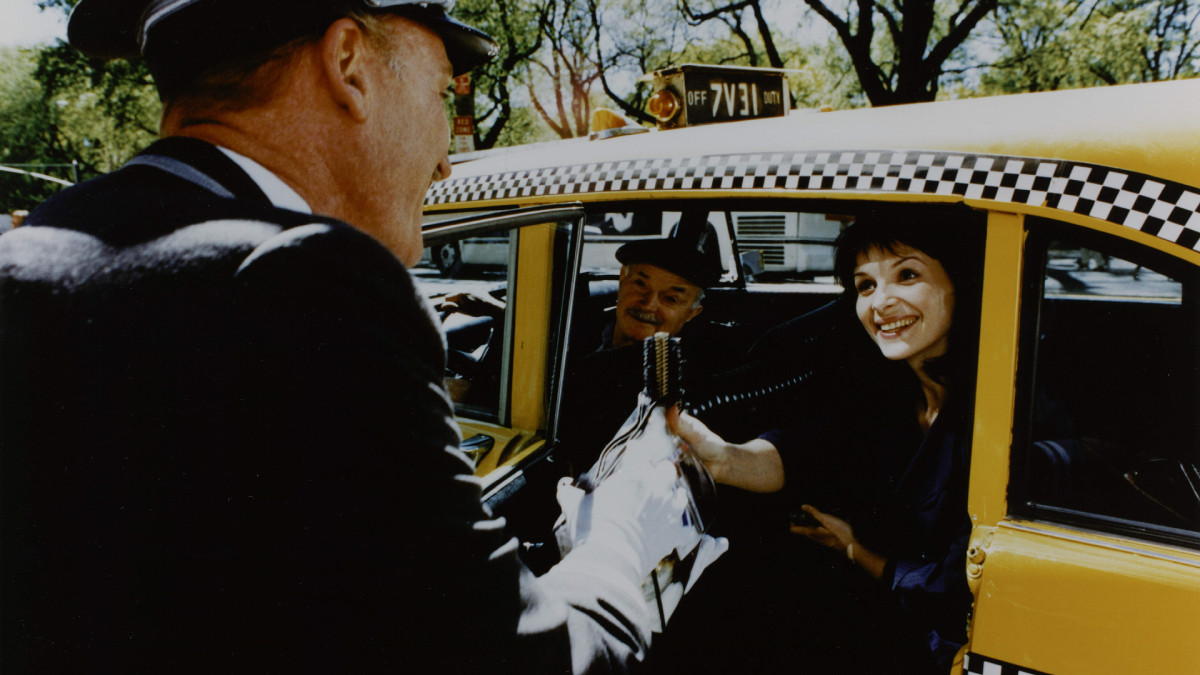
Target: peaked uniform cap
<point x="211" y="31"/>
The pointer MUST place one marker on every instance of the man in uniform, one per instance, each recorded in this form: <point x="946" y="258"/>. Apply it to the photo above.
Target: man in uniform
<point x="225" y="443"/>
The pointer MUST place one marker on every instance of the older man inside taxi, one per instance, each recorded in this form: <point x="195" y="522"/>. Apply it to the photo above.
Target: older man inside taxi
<point x="661" y="289"/>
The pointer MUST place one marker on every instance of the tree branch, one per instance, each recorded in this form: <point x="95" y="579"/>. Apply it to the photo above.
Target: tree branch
<point x="537" y="105"/>
<point x="958" y="33"/>
<point x="635" y="113"/>
<point x="764" y="31"/>
<point x="697" y="19"/>
<point x="842" y="28"/>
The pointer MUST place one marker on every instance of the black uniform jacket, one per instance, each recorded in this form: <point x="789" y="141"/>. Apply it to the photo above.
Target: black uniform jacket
<point x="226" y="448"/>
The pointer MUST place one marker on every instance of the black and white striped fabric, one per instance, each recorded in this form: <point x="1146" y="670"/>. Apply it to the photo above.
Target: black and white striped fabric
<point x="1162" y="208"/>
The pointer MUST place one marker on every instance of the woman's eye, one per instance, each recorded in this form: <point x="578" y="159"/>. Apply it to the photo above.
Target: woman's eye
<point x="907" y="274"/>
<point x="865" y="287"/>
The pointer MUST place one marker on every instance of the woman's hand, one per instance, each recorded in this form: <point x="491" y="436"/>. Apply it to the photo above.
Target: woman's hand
<point x="708" y="446"/>
<point x="833" y="532"/>
<point x="837" y="534"/>
<point x="754" y="466"/>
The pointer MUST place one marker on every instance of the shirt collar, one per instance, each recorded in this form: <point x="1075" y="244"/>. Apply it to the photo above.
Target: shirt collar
<point x="280" y="193"/>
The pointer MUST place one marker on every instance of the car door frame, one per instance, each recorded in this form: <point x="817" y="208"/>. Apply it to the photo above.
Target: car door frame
<point x="534" y="358"/>
<point x="1019" y="567"/>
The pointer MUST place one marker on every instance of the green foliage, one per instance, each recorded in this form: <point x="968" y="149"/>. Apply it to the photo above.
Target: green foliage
<point x="61" y="107"/>
<point x="524" y="127"/>
<point x="20" y="135"/>
<point x="1088" y="43"/>
<point x="564" y="73"/>
<point x="748" y="24"/>
<point x="100" y="112"/>
<point x="826" y="78"/>
<point x="635" y="38"/>
<point x="20" y="98"/>
<point x="516" y="25"/>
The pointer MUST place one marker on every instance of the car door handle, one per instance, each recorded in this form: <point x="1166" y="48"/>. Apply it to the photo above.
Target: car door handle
<point x="477" y="446"/>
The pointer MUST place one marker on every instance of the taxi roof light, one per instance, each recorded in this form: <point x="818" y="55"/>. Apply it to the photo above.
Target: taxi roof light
<point x="608" y="123"/>
<point x="693" y="94"/>
<point x="663" y="105"/>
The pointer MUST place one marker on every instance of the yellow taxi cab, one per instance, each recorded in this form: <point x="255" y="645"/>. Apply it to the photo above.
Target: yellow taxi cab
<point x="1089" y="204"/>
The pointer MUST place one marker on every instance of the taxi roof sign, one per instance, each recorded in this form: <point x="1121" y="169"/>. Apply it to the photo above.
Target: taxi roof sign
<point x="692" y="94"/>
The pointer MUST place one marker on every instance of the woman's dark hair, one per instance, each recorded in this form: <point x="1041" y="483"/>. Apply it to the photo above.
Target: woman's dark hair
<point x="953" y="237"/>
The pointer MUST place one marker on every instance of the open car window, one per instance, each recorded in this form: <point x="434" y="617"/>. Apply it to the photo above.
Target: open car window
<point x="468" y="274"/>
<point x="471" y="301"/>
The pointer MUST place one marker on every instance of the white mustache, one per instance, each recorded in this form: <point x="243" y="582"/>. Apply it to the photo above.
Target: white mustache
<point x="644" y="318"/>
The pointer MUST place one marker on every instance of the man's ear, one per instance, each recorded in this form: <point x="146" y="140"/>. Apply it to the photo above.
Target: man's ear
<point x="695" y="312"/>
<point x="344" y="60"/>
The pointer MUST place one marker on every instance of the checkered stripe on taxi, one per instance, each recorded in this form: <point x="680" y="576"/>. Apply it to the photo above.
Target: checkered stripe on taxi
<point x="1161" y="208"/>
<point x="975" y="664"/>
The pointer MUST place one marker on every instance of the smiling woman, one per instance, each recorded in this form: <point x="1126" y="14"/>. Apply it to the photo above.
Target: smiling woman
<point x="910" y="276"/>
<point x="896" y="448"/>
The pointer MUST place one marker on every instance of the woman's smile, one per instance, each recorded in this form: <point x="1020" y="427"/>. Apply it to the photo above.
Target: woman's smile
<point x="891" y="328"/>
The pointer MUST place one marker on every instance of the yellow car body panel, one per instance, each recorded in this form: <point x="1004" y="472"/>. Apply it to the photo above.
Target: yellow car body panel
<point x="997" y="365"/>
<point x="506" y="443"/>
<point x="1057" y="600"/>
<point x="532" y="328"/>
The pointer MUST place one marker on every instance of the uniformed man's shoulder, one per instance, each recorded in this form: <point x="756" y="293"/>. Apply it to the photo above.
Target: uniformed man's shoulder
<point x="72" y="258"/>
<point x="139" y="221"/>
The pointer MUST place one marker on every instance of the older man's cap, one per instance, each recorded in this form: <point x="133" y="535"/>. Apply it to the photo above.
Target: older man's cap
<point x="690" y="252"/>
<point x="209" y="32"/>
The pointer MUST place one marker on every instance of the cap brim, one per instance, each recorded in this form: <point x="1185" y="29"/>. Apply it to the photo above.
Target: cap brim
<point x="668" y="255"/>
<point x="466" y="46"/>
<point x="106" y="29"/>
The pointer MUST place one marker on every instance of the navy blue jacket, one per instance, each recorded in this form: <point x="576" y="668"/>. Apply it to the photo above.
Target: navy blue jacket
<point x="226" y="448"/>
<point x="905" y="494"/>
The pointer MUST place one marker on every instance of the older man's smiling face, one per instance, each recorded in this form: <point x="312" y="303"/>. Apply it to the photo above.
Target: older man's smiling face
<point x="651" y="300"/>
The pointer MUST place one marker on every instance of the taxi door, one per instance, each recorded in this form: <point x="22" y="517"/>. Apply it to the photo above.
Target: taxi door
<point x="1085" y="490"/>
<point x="505" y="308"/>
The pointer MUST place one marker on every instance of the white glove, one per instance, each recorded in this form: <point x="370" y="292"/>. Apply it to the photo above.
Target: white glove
<point x="640" y="512"/>
<point x="711" y="548"/>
